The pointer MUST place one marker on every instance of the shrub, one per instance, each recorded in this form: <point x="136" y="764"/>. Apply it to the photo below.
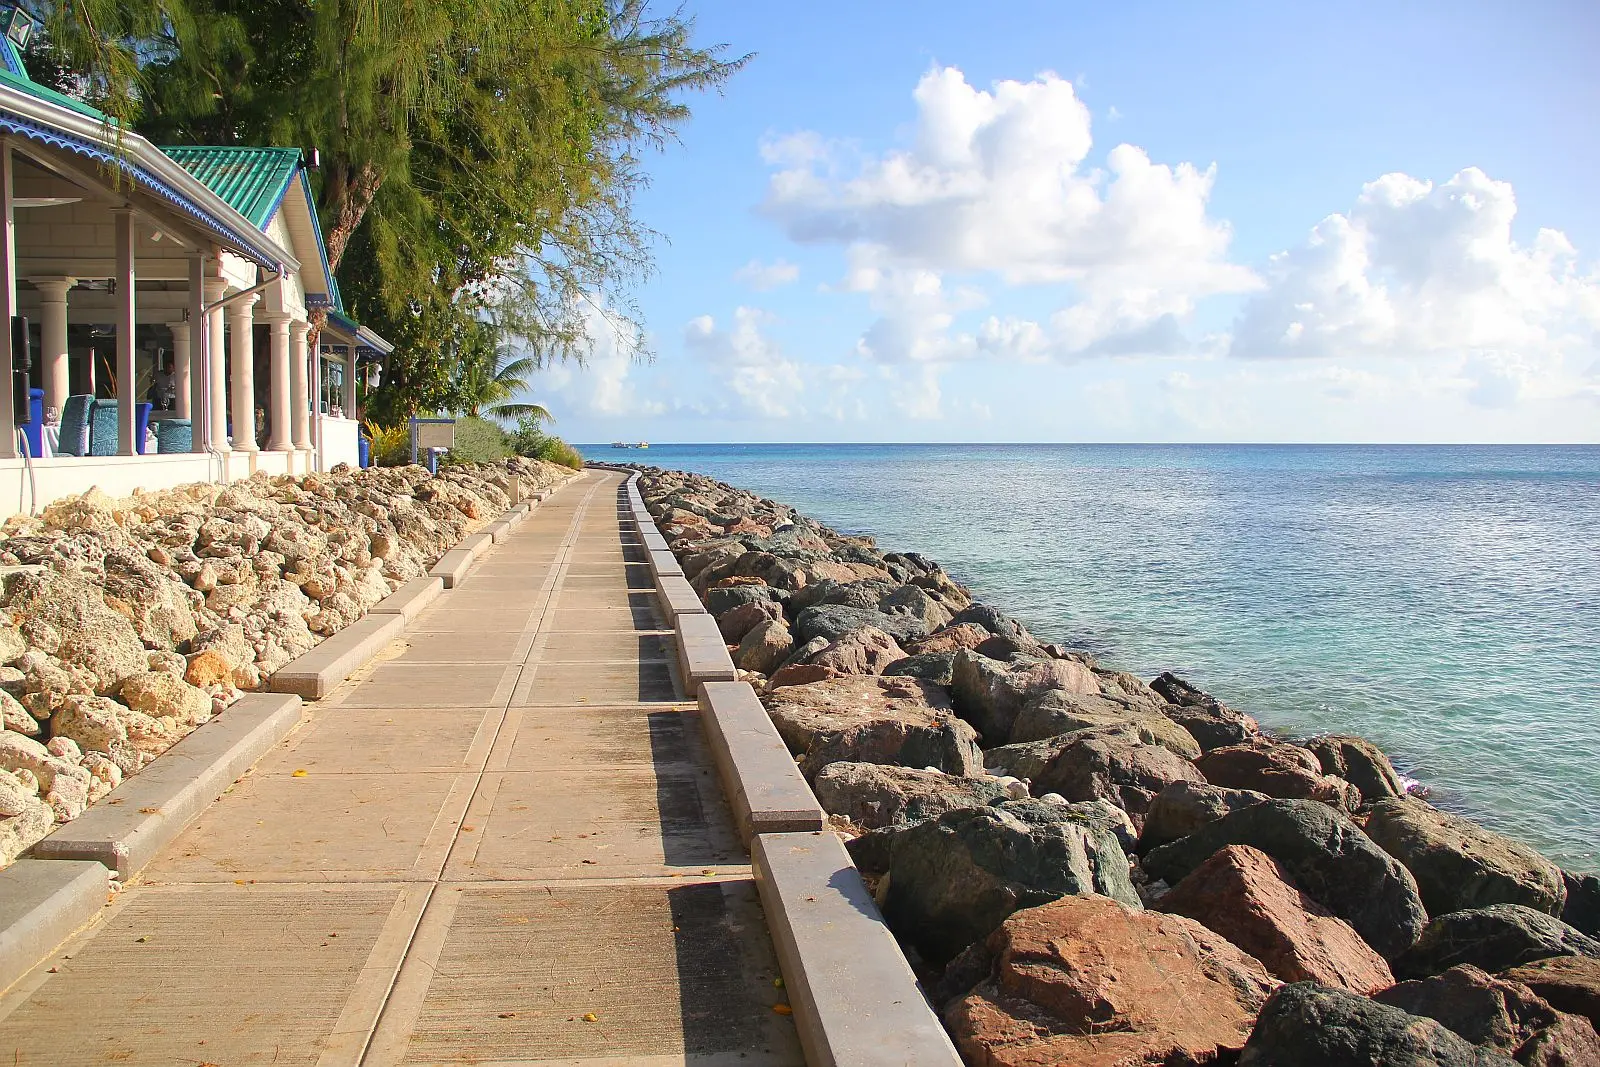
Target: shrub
<point x="530" y="441"/>
<point x="391" y="447"/>
<point x="479" y="441"/>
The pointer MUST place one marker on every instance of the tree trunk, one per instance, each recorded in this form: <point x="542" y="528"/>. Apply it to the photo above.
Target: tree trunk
<point x="348" y="196"/>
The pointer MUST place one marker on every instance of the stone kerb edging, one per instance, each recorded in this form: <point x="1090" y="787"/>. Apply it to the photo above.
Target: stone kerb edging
<point x="42" y="903"/>
<point x="763" y="785"/>
<point x="855" y="998"/>
<point x="133" y="822"/>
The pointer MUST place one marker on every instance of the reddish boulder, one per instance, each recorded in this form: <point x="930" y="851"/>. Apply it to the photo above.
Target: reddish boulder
<point x="764" y="647"/>
<point x="739" y="621"/>
<point x="800" y="674"/>
<point x="954" y="638"/>
<point x="873" y="719"/>
<point x="1246" y="896"/>
<point x="867" y="650"/>
<point x="1278" y="769"/>
<point x="1090" y="982"/>
<point x="1570" y="1041"/>
<point x="1569" y="983"/>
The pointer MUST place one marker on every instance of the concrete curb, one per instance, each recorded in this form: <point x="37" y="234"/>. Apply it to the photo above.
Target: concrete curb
<point x="475" y="545"/>
<point x="409" y="600"/>
<point x="324" y="668"/>
<point x="677" y="597"/>
<point x="42" y="903"/>
<point x="765" y="788"/>
<point x="855" y="999"/>
<point x="146" y="812"/>
<point x="499" y="531"/>
<point x="702" y="655"/>
<point x="452" y="567"/>
<point x="663" y="563"/>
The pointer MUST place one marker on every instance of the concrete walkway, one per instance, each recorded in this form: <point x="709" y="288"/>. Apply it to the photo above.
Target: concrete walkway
<point x="504" y="843"/>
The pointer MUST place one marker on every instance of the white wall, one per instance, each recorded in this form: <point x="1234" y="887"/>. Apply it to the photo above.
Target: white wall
<point x="340" y="442"/>
<point x="114" y="475"/>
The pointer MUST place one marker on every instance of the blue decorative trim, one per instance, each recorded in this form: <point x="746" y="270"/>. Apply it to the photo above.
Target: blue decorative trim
<point x="59" y="139"/>
<point x="13" y="60"/>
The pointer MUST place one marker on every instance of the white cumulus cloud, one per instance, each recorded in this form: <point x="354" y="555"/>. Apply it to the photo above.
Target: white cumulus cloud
<point x="765" y="276"/>
<point x="1416" y="269"/>
<point x="766" y="382"/>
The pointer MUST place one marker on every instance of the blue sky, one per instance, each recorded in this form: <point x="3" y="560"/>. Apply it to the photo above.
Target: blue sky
<point x="1122" y="222"/>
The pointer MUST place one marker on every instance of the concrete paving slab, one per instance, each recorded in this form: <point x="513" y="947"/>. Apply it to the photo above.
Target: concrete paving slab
<point x="693" y="991"/>
<point x="702" y="654"/>
<point x="411" y="599"/>
<point x="452" y="567"/>
<point x="595" y="684"/>
<point x="163" y="987"/>
<point x="317" y="673"/>
<point x="42" y="903"/>
<point x="322" y="827"/>
<point x="453" y="617"/>
<point x="854" y="996"/>
<point x="615" y="646"/>
<point x="566" y="739"/>
<point x="763" y="785"/>
<point x="448" y="647"/>
<point x="579" y="619"/>
<point x="427" y="685"/>
<point x="387" y="740"/>
<point x="499" y="531"/>
<point x="144" y="814"/>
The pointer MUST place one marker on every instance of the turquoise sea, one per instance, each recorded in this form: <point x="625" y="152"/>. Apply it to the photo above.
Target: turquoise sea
<point x="1443" y="601"/>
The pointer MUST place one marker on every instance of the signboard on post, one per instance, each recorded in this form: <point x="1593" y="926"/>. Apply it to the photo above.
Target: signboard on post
<point x="432" y="436"/>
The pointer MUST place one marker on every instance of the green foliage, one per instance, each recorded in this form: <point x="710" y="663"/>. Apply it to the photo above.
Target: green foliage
<point x="530" y="440"/>
<point x="391" y="446"/>
<point x="479" y="441"/>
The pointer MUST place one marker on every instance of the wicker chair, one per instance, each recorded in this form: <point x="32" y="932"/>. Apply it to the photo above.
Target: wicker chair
<point x="174" y="435"/>
<point x="75" y="426"/>
<point x="103" y="428"/>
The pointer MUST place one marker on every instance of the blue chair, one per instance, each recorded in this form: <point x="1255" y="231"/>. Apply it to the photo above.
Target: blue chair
<point x="174" y="435"/>
<point x="75" y="425"/>
<point x="103" y="428"/>
<point x="141" y="426"/>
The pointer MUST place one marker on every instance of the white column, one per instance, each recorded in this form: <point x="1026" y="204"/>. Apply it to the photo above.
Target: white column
<point x="199" y="381"/>
<point x="53" y="338"/>
<point x="350" y="384"/>
<point x="180" y="368"/>
<point x="8" y="303"/>
<point x="242" y="371"/>
<point x="280" y="438"/>
<point x="216" y="369"/>
<point x="127" y="388"/>
<point x="300" y="384"/>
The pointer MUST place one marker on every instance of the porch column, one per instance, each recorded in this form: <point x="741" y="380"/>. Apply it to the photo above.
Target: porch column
<point x="8" y="303"/>
<point x="281" y="437"/>
<point x="242" y="372"/>
<point x="350" y="384"/>
<point x="180" y="368"/>
<point x="53" y="338"/>
<point x="300" y="384"/>
<point x="216" y="368"/>
<point x="127" y="388"/>
<point x="199" y="382"/>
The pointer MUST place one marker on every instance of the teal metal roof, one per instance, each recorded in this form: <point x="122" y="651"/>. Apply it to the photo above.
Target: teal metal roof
<point x="252" y="180"/>
<point x="14" y="74"/>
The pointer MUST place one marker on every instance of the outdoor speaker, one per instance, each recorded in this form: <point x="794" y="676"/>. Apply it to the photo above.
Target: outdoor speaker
<point x="21" y="364"/>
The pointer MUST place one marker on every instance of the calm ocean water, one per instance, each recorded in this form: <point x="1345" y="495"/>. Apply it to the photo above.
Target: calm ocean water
<point x="1443" y="601"/>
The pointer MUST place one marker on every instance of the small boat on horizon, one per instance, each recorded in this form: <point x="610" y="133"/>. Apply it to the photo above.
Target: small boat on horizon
<point x="630" y="444"/>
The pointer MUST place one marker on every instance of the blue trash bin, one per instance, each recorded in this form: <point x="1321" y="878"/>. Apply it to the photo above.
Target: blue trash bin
<point x="365" y="452"/>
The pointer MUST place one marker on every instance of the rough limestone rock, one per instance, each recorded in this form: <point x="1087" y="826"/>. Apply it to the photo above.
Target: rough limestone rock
<point x="1459" y="864"/>
<point x="1247" y="897"/>
<point x="1183" y="807"/>
<point x="764" y="647"/>
<point x="951" y="639"/>
<point x="93" y="723"/>
<point x="16" y="717"/>
<point x="937" y="668"/>
<point x="208" y="668"/>
<point x="1087" y="981"/>
<point x="990" y="694"/>
<point x="25" y="756"/>
<point x="155" y="599"/>
<point x="1211" y="722"/>
<point x="12" y="643"/>
<point x="1328" y="857"/>
<point x="1061" y="712"/>
<point x="738" y="621"/>
<point x="869" y="719"/>
<point x="865" y="651"/>
<point x="1116" y="768"/>
<point x="1307" y="1025"/>
<point x="1277" y="769"/>
<point x="163" y="696"/>
<point x="69" y="619"/>
<point x="1568" y="983"/>
<point x="1493" y="938"/>
<point x="1491" y="1012"/>
<point x="1359" y="762"/>
<point x="955" y="878"/>
<point x="873" y="795"/>
<point x="27" y="824"/>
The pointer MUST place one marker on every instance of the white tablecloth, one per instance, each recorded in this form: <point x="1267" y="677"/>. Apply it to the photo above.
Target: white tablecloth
<point x="50" y="439"/>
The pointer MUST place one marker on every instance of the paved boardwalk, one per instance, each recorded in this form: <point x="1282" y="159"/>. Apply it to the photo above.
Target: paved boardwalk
<point x="504" y="843"/>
